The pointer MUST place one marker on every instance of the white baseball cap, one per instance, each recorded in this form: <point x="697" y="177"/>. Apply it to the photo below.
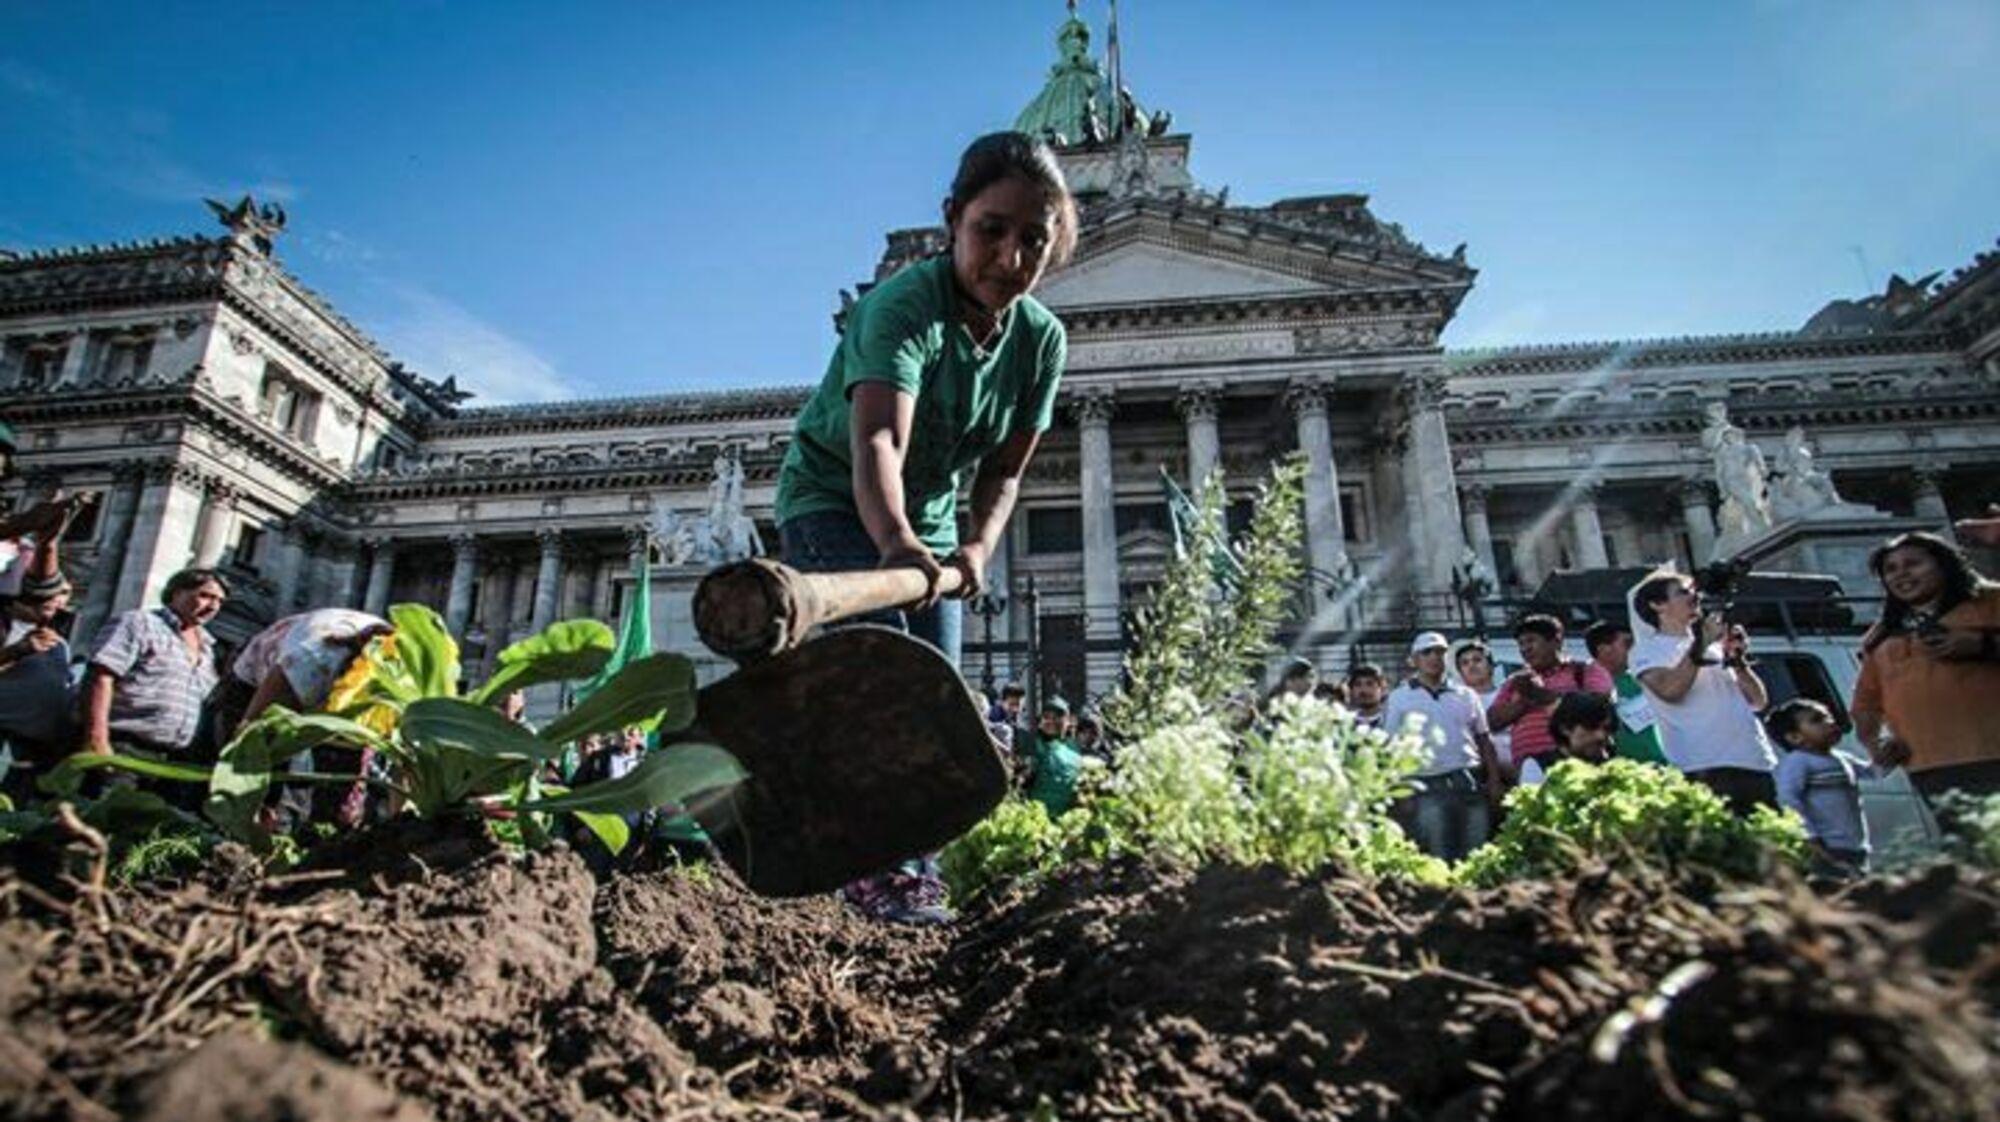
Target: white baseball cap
<point x="1428" y="641"/>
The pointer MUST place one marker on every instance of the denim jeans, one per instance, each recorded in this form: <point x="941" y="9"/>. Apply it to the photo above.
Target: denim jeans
<point x="835" y="541"/>
<point x="1449" y="818"/>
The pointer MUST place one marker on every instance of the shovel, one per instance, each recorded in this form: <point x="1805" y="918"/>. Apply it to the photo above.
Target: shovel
<point x="864" y="746"/>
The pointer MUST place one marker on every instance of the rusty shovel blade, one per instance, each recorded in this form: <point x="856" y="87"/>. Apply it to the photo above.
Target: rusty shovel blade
<point x="864" y="748"/>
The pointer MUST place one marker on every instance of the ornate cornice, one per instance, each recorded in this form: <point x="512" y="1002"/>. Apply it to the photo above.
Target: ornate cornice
<point x="781" y="402"/>
<point x="692" y="470"/>
<point x="1411" y="313"/>
<point x="1768" y="413"/>
<point x="1692" y="350"/>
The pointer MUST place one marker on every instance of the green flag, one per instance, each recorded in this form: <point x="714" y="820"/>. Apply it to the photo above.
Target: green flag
<point x="1186" y="519"/>
<point x="635" y="630"/>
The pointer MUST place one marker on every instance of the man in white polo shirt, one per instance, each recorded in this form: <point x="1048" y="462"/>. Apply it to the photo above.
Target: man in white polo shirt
<point x="1462" y="784"/>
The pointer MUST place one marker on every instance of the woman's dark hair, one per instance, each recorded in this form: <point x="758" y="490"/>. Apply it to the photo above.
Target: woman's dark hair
<point x="1548" y="627"/>
<point x="996" y="156"/>
<point x="1648" y="597"/>
<point x="1582" y="709"/>
<point x="1960" y="580"/>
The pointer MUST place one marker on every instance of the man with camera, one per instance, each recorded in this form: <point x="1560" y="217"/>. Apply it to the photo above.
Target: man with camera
<point x="1695" y="669"/>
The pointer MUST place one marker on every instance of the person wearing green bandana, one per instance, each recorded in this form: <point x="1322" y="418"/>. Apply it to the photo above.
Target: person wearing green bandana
<point x="944" y="368"/>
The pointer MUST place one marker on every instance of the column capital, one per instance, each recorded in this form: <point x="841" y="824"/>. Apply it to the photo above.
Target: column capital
<point x="1306" y="397"/>
<point x="1585" y="492"/>
<point x="464" y="545"/>
<point x="1422" y="390"/>
<point x="382" y="545"/>
<point x="1927" y="474"/>
<point x="1092" y="407"/>
<point x="1693" y="490"/>
<point x="1199" y="401"/>
<point x="129" y="471"/>
<point x="221" y="492"/>
<point x="550" y="538"/>
<point x="1474" y="496"/>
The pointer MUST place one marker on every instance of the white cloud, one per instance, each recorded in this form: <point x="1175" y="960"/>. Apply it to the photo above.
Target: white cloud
<point x="131" y="149"/>
<point x="437" y="337"/>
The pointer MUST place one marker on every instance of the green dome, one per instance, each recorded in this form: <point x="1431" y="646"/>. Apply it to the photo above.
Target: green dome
<point x="1075" y="88"/>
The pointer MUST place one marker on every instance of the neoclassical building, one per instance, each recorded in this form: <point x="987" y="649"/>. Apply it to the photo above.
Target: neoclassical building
<point x="230" y="416"/>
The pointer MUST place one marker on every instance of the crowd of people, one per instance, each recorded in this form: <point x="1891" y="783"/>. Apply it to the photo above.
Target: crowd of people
<point x="1674" y="685"/>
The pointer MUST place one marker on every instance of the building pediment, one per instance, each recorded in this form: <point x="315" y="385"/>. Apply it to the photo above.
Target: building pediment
<point x="1147" y="273"/>
<point x="1144" y="252"/>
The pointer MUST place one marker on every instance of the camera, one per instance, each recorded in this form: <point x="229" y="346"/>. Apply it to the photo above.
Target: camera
<point x="1717" y="583"/>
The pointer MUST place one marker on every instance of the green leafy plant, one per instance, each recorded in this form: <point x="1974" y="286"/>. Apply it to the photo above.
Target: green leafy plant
<point x="1625" y="811"/>
<point x="169" y="850"/>
<point x="1971" y="826"/>
<point x="451" y="755"/>
<point x="1207" y="633"/>
<point x="1312" y="791"/>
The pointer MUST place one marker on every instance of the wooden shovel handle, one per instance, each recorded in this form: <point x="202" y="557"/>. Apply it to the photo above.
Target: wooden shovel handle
<point x="757" y="608"/>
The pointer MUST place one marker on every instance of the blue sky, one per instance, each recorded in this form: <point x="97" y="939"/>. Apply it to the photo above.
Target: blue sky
<point x="620" y="198"/>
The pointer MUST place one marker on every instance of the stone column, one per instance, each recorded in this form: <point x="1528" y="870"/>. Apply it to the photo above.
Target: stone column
<point x="74" y="357"/>
<point x="1700" y="521"/>
<point x="1928" y="502"/>
<point x="162" y="533"/>
<point x="604" y="586"/>
<point x="1198" y="406"/>
<point x="548" y="578"/>
<point x="293" y="565"/>
<point x="1326" y="538"/>
<point x="1478" y="529"/>
<point x="1100" y="534"/>
<point x="1587" y="529"/>
<point x="1440" y="541"/>
<point x="381" y="570"/>
<point x="464" y="571"/>
<point x="128" y="480"/>
<point x="213" y="536"/>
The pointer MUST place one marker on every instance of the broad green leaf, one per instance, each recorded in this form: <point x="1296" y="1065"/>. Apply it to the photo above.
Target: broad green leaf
<point x="65" y="777"/>
<point x="245" y="768"/>
<point x="426" y="649"/>
<point x="609" y="828"/>
<point x="667" y="775"/>
<point x="657" y="691"/>
<point x="576" y="648"/>
<point x="447" y="722"/>
<point x="131" y="813"/>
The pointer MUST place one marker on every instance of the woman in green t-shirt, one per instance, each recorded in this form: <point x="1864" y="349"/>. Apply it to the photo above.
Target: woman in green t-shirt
<point x="945" y="367"/>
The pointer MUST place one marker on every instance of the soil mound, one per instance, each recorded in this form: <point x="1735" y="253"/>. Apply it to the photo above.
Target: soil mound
<point x="498" y="986"/>
<point x="1234" y="993"/>
<point x="802" y="1001"/>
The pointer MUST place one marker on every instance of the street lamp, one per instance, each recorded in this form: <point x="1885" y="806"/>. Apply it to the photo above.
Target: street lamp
<point x="989" y="606"/>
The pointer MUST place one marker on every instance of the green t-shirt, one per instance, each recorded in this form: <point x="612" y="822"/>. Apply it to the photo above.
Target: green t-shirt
<point x="968" y="402"/>
<point x="1644" y="744"/>
<point x="1057" y="766"/>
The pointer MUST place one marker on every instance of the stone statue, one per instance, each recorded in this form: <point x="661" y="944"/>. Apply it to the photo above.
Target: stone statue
<point x="1472" y="574"/>
<point x="1803" y="489"/>
<point x="723" y="533"/>
<point x="1741" y="476"/>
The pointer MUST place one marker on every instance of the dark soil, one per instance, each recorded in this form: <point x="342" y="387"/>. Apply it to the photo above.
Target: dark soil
<point x="475" y="985"/>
